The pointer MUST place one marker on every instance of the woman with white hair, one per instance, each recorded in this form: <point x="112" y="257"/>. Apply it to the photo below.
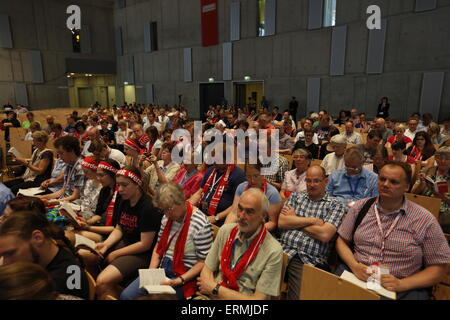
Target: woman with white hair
<point x="184" y="240"/>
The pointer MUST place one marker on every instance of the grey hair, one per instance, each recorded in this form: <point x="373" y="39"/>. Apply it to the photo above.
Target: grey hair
<point x="168" y="194"/>
<point x="265" y="204"/>
<point x="354" y="153"/>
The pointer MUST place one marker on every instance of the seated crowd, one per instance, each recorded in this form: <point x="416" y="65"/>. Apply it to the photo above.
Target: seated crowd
<point x="332" y="189"/>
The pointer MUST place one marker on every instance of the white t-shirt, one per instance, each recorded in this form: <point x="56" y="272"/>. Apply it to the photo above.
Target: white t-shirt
<point x="331" y="163"/>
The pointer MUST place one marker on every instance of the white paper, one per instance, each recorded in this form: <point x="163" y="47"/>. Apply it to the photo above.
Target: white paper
<point x="150" y="280"/>
<point x="71" y="211"/>
<point x="15" y="152"/>
<point x="30" y="192"/>
<point x="350" y="277"/>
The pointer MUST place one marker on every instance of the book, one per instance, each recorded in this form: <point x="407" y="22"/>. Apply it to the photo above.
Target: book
<point x="350" y="277"/>
<point x="30" y="192"/>
<point x="82" y="241"/>
<point x="440" y="187"/>
<point x="15" y="152"/>
<point x="69" y="210"/>
<point x="150" y="280"/>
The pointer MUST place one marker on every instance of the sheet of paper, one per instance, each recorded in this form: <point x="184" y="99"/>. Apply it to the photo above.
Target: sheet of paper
<point x="30" y="192"/>
<point x="15" y="152"/>
<point x="350" y="277"/>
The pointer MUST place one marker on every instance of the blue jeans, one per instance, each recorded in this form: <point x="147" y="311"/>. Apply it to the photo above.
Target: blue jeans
<point x="133" y="291"/>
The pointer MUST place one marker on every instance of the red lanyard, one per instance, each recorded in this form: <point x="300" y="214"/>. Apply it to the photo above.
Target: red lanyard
<point x="385" y="236"/>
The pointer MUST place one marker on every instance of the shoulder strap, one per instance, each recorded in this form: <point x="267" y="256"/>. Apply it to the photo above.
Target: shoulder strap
<point x="362" y="213"/>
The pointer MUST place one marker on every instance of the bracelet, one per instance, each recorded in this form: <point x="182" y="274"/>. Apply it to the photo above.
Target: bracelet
<point x="182" y="280"/>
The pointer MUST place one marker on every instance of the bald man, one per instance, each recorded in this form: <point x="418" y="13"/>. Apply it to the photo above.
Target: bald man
<point x="386" y="133"/>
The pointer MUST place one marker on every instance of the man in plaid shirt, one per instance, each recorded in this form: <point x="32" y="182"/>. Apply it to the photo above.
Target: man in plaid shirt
<point x="310" y="221"/>
<point x="396" y="233"/>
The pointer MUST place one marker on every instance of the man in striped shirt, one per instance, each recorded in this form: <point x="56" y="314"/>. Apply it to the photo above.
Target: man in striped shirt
<point x="310" y="221"/>
<point x="396" y="233"/>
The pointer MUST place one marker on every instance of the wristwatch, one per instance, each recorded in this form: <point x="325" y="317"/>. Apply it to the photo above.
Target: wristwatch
<point x="216" y="218"/>
<point x="215" y="291"/>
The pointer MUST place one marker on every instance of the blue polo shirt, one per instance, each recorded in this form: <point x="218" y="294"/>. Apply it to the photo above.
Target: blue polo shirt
<point x="5" y="196"/>
<point x="357" y="187"/>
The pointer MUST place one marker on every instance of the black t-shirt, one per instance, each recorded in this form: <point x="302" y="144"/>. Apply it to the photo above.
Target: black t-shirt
<point x="107" y="135"/>
<point x="59" y="270"/>
<point x="48" y="172"/>
<point x="237" y="176"/>
<point x="313" y="148"/>
<point x="143" y="217"/>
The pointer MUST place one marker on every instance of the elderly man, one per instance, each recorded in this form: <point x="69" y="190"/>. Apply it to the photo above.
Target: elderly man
<point x="286" y="142"/>
<point x="140" y="135"/>
<point x="245" y="260"/>
<point x="353" y="182"/>
<point x="92" y="134"/>
<point x="354" y="116"/>
<point x="397" y="233"/>
<point x="350" y="135"/>
<point x="335" y="160"/>
<point x="309" y="221"/>
<point x="386" y="133"/>
<point x="412" y="128"/>
<point x="369" y="148"/>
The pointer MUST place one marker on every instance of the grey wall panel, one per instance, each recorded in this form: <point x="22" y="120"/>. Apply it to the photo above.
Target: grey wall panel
<point x="85" y="37"/>
<point x="147" y="38"/>
<point x="338" y="46"/>
<point x="228" y="61"/>
<point x="36" y="66"/>
<point x="187" y="64"/>
<point x="90" y="66"/>
<point x="149" y="93"/>
<point x="129" y="69"/>
<point x="5" y="31"/>
<point x="313" y="95"/>
<point x="119" y="44"/>
<point x="375" y="49"/>
<point x="271" y="17"/>
<point x="424" y="5"/>
<point x="21" y="94"/>
<point x="430" y="100"/>
<point x="235" y="21"/>
<point x="315" y="14"/>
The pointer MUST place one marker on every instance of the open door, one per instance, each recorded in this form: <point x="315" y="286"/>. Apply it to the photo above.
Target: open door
<point x="210" y="94"/>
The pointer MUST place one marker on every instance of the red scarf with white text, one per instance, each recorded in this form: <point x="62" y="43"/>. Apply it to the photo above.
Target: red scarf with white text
<point x="214" y="203"/>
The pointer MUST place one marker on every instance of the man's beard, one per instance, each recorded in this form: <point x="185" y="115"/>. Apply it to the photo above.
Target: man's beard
<point x="34" y="254"/>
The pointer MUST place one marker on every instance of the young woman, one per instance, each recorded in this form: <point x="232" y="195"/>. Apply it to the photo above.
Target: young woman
<point x="154" y="145"/>
<point x="128" y="248"/>
<point x="101" y="224"/>
<point x="398" y="149"/>
<point x="422" y="148"/>
<point x="256" y="180"/>
<point x="39" y="168"/>
<point x="383" y="108"/>
<point x="184" y="240"/>
<point x="132" y="151"/>
<point x="91" y="190"/>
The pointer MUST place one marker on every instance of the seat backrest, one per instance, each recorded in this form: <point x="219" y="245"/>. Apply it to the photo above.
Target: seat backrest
<point x="289" y="158"/>
<point x="283" y="284"/>
<point x="430" y="203"/>
<point x="321" y="285"/>
<point x="92" y="285"/>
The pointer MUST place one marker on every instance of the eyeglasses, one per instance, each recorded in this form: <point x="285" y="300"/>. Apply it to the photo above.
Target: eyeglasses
<point x="298" y="157"/>
<point x="315" y="181"/>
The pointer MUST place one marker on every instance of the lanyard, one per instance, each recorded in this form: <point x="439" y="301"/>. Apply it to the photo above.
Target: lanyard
<point x="71" y="173"/>
<point x="351" y="185"/>
<point x="214" y="182"/>
<point x="385" y="236"/>
<point x="170" y="240"/>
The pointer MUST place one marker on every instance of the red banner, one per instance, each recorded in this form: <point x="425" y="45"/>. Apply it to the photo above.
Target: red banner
<point x="210" y="25"/>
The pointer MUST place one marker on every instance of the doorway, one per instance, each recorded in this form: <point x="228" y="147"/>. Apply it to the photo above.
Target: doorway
<point x="85" y="97"/>
<point x="248" y="94"/>
<point x="210" y="94"/>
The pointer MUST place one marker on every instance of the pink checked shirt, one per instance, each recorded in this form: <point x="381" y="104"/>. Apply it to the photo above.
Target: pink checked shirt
<point x="416" y="242"/>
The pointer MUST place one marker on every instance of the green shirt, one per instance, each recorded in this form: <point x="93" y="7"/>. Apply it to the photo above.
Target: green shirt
<point x="262" y="274"/>
<point x="27" y="124"/>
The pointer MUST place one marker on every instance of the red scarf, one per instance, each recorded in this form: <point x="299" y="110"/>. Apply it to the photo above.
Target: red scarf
<point x="230" y="276"/>
<point x="263" y="187"/>
<point x="214" y="203"/>
<point x="190" y="287"/>
<point x="416" y="154"/>
<point x="110" y="210"/>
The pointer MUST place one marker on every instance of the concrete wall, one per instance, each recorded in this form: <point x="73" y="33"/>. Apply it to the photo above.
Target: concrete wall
<point x="41" y="25"/>
<point x="415" y="43"/>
